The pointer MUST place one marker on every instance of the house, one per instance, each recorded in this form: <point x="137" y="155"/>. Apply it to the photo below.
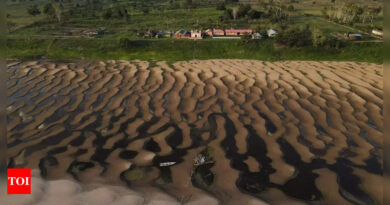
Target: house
<point x="93" y="32"/>
<point x="354" y="36"/>
<point x="150" y="33"/>
<point x="163" y="34"/>
<point x="182" y="34"/>
<point x="209" y="32"/>
<point x="196" y="34"/>
<point x="218" y="32"/>
<point x="256" y="36"/>
<point x="214" y="32"/>
<point x="377" y="32"/>
<point x="238" y="32"/>
<point x="271" y="33"/>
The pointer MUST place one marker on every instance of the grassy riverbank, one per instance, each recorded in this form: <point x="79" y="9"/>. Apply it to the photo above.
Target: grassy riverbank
<point x="176" y="50"/>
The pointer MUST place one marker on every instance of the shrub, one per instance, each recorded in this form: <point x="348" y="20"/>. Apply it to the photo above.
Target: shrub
<point x="318" y="37"/>
<point x="253" y="14"/>
<point x="295" y="37"/>
<point x="107" y="14"/>
<point x="221" y="6"/>
<point x="126" y="43"/>
<point x="188" y="4"/>
<point x="246" y="38"/>
<point x="321" y="39"/>
<point x="53" y="11"/>
<point x="243" y="10"/>
<point x="145" y="9"/>
<point x="49" y="10"/>
<point x="228" y="14"/>
<point x="33" y="10"/>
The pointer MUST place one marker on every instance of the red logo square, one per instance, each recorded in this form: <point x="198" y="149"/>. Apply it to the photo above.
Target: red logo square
<point x="18" y="181"/>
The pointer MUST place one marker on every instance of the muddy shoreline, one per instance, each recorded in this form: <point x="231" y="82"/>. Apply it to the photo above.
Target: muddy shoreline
<point x="292" y="132"/>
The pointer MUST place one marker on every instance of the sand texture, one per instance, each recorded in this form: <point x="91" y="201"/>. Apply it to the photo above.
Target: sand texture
<point x="270" y="132"/>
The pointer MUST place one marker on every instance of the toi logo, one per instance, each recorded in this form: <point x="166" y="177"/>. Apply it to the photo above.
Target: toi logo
<point x="19" y="181"/>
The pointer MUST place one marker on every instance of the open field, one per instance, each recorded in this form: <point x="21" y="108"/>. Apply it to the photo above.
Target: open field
<point x="291" y="132"/>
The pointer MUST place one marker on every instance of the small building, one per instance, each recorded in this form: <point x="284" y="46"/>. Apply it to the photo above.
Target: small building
<point x="377" y="32"/>
<point x="209" y="32"/>
<point x="272" y="33"/>
<point x="163" y="34"/>
<point x="238" y="32"/>
<point x="180" y="34"/>
<point x="93" y="32"/>
<point x="218" y="32"/>
<point x="150" y="33"/>
<point x="256" y="36"/>
<point x="196" y="34"/>
<point x="354" y="36"/>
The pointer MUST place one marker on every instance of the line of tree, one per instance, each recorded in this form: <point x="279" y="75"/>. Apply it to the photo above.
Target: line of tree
<point x="54" y="11"/>
<point x="116" y="13"/>
<point x="276" y="10"/>
<point x="243" y="11"/>
<point x="306" y="36"/>
<point x="350" y="13"/>
<point x="33" y="10"/>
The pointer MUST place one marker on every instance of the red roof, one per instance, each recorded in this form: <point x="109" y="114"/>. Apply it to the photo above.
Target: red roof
<point x="218" y="31"/>
<point x="239" y="31"/>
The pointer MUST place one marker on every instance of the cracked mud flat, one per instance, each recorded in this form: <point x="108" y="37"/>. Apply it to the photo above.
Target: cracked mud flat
<point x="276" y="132"/>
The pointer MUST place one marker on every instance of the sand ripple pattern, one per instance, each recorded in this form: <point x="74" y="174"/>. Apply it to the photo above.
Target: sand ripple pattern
<point x="273" y="132"/>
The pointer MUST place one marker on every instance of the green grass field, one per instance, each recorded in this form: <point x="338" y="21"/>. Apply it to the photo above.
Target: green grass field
<point x="37" y="37"/>
<point x="177" y="50"/>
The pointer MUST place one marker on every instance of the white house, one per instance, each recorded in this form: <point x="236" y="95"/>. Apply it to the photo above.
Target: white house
<point x="377" y="32"/>
<point x="355" y="36"/>
<point x="271" y="33"/>
<point x="196" y="34"/>
<point x="256" y="36"/>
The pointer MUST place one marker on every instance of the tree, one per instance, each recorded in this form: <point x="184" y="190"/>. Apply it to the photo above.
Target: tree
<point x="144" y="8"/>
<point x="350" y="13"/>
<point x="107" y="14"/>
<point x="253" y="14"/>
<point x="290" y="8"/>
<point x="324" y="12"/>
<point x="10" y="25"/>
<point x="229" y="14"/>
<point x="295" y="37"/>
<point x="246" y="38"/>
<point x="33" y="10"/>
<point x="126" y="15"/>
<point x="49" y="11"/>
<point x="221" y="6"/>
<point x="262" y="30"/>
<point x="53" y="11"/>
<point x="188" y="4"/>
<point x="243" y="10"/>
<point x="318" y="37"/>
<point x="373" y="13"/>
<point x="321" y="39"/>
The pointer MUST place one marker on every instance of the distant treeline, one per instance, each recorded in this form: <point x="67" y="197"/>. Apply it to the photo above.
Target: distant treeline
<point x="351" y="13"/>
